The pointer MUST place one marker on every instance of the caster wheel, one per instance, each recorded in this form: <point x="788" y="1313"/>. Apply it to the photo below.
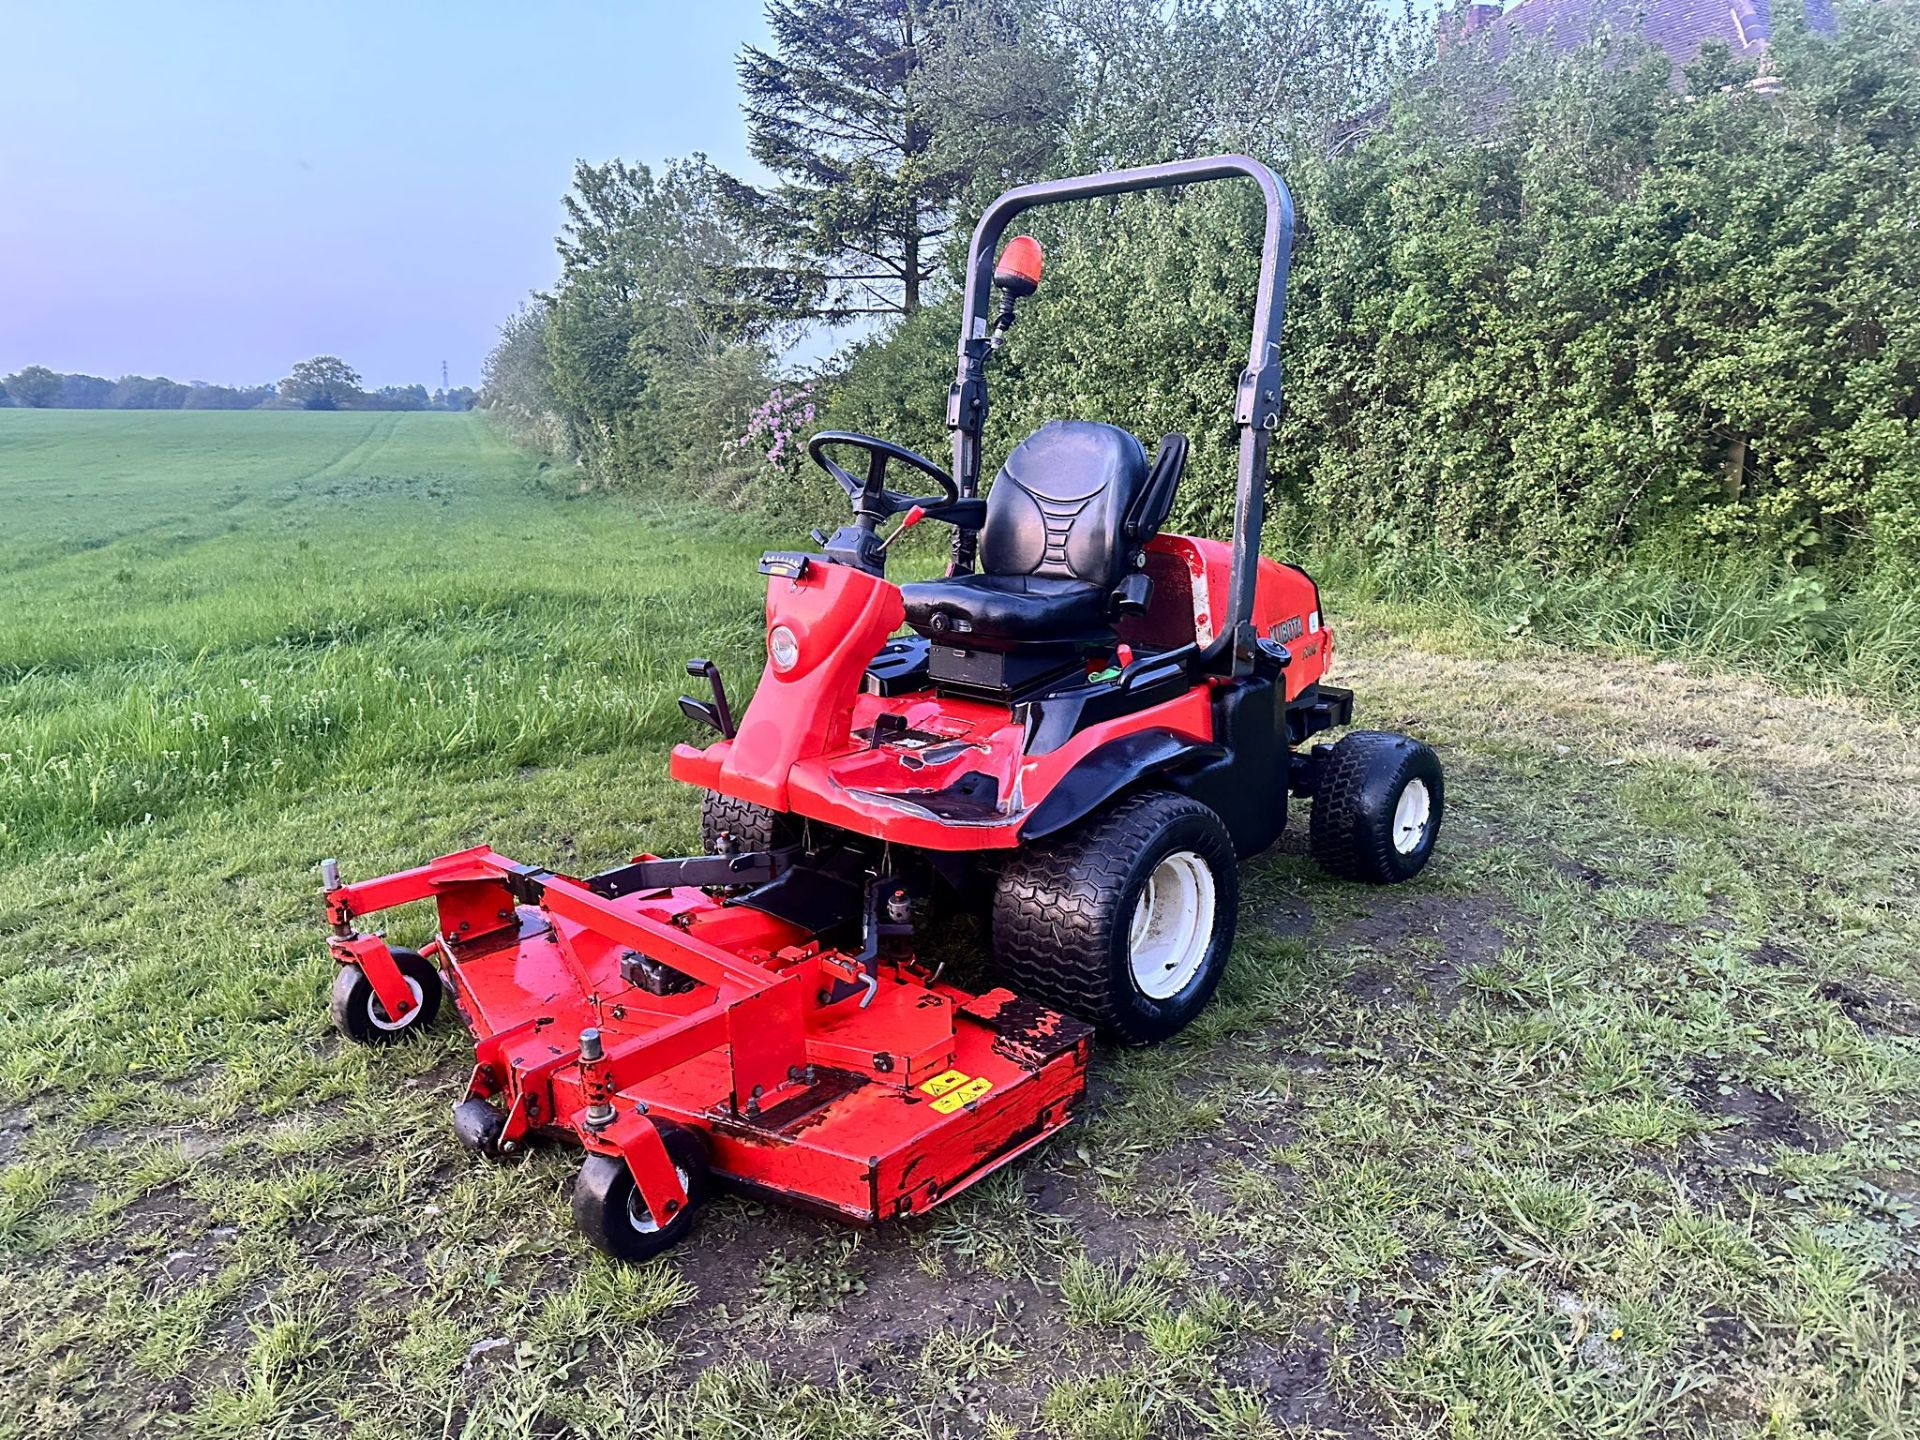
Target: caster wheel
<point x="609" y="1211"/>
<point x="477" y="1126"/>
<point x="1376" y="808"/>
<point x="358" y="1013"/>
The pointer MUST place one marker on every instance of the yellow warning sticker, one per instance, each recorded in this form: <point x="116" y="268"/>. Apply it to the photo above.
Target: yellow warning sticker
<point x="966" y="1094"/>
<point x="943" y="1082"/>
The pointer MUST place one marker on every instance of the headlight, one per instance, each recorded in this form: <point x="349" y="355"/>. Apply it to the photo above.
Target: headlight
<point x="783" y="649"/>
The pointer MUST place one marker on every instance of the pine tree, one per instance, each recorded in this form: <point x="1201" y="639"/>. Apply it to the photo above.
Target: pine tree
<point x="854" y="224"/>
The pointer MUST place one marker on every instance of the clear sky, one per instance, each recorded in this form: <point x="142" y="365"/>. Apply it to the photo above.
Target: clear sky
<point x="212" y="191"/>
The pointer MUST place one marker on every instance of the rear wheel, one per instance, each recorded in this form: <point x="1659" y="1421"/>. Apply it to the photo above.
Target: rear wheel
<point x="1127" y="921"/>
<point x="1377" y="806"/>
<point x="746" y="825"/>
<point x="358" y="1013"/>
<point x="609" y="1209"/>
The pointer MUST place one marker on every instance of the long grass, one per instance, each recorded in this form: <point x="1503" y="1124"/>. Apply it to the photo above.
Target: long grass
<point x="1808" y="631"/>
<point x="378" y="601"/>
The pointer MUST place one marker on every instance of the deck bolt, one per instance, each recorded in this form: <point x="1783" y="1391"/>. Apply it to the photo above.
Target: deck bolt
<point x="590" y="1044"/>
<point x="330" y="874"/>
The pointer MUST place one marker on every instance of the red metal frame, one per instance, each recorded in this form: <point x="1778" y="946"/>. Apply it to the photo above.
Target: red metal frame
<point x="871" y="1106"/>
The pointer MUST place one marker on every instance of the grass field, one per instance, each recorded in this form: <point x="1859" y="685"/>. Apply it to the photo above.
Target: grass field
<point x="1606" y="1126"/>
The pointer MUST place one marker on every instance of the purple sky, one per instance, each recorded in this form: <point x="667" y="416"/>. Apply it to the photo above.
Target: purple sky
<point x="214" y="191"/>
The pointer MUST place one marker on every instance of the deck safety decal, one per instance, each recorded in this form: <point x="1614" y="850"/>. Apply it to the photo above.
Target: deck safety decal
<point x="952" y="1088"/>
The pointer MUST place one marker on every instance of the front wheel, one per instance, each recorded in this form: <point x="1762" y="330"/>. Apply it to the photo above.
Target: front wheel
<point x="1127" y="921"/>
<point x="1377" y="805"/>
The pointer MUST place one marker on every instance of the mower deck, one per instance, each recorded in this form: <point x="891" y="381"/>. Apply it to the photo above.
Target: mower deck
<point x="850" y="1084"/>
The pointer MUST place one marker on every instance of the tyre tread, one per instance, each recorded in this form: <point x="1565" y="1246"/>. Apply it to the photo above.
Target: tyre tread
<point x="753" y="827"/>
<point x="1052" y="930"/>
<point x="1339" y="836"/>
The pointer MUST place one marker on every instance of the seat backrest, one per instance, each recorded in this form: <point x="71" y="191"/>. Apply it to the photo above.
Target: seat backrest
<point x="1156" y="496"/>
<point x="1060" y="506"/>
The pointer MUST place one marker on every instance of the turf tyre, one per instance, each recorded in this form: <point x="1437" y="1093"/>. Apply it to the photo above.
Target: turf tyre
<point x="608" y="1209"/>
<point x="359" y="1015"/>
<point x="1066" y="915"/>
<point x="749" y="826"/>
<point x="1362" y="807"/>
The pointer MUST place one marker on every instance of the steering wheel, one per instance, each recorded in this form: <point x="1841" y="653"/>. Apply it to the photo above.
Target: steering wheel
<point x="872" y="501"/>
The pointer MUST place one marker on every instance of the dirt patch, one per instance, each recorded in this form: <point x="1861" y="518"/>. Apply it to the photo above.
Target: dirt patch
<point x="1430" y="938"/>
<point x="1875" y="1011"/>
<point x="1755" y="1121"/>
<point x="1294" y="1376"/>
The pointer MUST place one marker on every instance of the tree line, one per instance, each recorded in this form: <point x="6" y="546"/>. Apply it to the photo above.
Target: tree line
<point x="323" y="383"/>
<point x="1552" y="307"/>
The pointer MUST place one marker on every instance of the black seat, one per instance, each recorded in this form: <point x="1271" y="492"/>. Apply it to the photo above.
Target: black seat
<point x="1066" y="519"/>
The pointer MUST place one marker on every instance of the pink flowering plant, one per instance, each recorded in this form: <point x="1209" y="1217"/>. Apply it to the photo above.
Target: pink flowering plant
<point x="775" y="430"/>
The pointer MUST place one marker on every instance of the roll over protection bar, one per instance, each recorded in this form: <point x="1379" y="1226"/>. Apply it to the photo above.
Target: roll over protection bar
<point x="1256" y="407"/>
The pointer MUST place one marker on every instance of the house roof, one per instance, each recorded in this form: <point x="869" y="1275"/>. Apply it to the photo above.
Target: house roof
<point x="1679" y="27"/>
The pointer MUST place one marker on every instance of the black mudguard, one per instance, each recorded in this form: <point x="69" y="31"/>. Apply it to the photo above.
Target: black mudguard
<point x="1116" y="766"/>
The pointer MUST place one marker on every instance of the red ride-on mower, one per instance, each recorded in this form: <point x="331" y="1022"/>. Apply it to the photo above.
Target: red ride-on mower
<point x="1088" y="721"/>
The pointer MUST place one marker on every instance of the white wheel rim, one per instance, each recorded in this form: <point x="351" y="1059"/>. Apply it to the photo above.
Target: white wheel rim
<point x="639" y="1216"/>
<point x="1410" y="817"/>
<point x="377" y="1013"/>
<point x="1172" y="925"/>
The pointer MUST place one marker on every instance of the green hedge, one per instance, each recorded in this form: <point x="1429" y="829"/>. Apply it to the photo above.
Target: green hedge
<point x="1544" y="311"/>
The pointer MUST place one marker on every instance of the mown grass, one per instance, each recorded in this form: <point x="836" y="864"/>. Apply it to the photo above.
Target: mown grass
<point x="1605" y="1127"/>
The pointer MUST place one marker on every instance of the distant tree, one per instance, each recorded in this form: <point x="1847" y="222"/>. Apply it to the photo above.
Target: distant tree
<point x="396" y="397"/>
<point x="35" y="387"/>
<point x="853" y="226"/>
<point x="84" y="392"/>
<point x="141" y="392"/>
<point x="461" y="397"/>
<point x="325" y="382"/>
<point x="225" y="397"/>
<point x="638" y="262"/>
<point x="517" y="381"/>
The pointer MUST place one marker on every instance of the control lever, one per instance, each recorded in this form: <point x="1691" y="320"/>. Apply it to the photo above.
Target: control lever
<point x="913" y="517"/>
<point x="715" y="712"/>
